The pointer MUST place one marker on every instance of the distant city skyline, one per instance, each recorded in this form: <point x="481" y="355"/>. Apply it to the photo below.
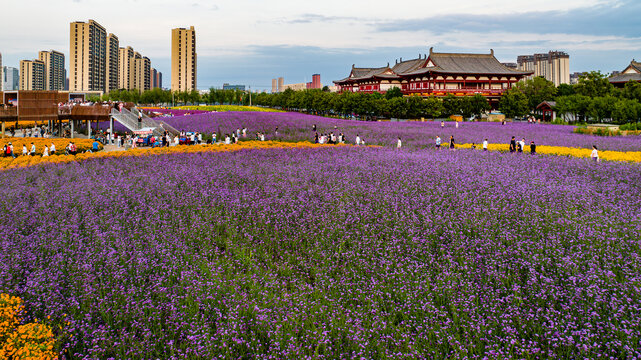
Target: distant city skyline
<point x="250" y="42"/>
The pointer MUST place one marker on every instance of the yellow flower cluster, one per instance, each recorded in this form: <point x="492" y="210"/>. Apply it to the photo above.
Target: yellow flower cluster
<point x="626" y="156"/>
<point x="226" y="108"/>
<point x="30" y="341"/>
<point x="23" y="161"/>
<point x="10" y="310"/>
<point x="40" y="143"/>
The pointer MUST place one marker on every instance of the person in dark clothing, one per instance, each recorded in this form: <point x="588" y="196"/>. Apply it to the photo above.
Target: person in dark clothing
<point x="314" y="128"/>
<point x="513" y="145"/>
<point x="532" y="148"/>
<point x="139" y="120"/>
<point x="519" y="147"/>
<point x="316" y="138"/>
<point x="451" y="142"/>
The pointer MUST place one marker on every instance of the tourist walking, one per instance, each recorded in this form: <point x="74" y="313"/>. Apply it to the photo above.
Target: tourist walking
<point x="399" y="143"/>
<point x="53" y="149"/>
<point x="438" y="143"/>
<point x="24" y="150"/>
<point x="358" y="140"/>
<point x="532" y="148"/>
<point x="45" y="152"/>
<point x="522" y="143"/>
<point x="451" y="142"/>
<point x="33" y="150"/>
<point x="485" y="144"/>
<point x="595" y="154"/>
<point x="513" y="145"/>
<point x="442" y="124"/>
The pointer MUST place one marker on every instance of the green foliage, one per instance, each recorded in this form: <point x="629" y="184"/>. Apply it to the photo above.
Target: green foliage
<point x="514" y="103"/>
<point x="537" y="90"/>
<point x="594" y="84"/>
<point x="392" y="93"/>
<point x="565" y="90"/>
<point x="479" y="105"/>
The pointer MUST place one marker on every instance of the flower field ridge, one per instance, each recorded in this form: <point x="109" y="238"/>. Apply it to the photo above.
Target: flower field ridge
<point x="627" y="156"/>
<point x="343" y="252"/>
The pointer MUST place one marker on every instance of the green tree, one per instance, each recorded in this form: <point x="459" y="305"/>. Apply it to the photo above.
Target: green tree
<point x="537" y="90"/>
<point x="393" y="93"/>
<point x="593" y="84"/>
<point x="514" y="103"/>
<point x="479" y="105"/>
<point x="565" y="90"/>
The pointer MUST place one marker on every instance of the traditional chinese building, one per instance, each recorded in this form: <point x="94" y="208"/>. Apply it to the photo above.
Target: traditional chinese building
<point x="631" y="73"/>
<point x="437" y="74"/>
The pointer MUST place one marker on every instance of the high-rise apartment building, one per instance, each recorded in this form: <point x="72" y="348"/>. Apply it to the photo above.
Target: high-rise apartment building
<point x="281" y="84"/>
<point x="113" y="63"/>
<point x="1" y="73"/>
<point x="54" y="62"/>
<point x="143" y="73"/>
<point x="274" y="86"/>
<point x="156" y="79"/>
<point x="87" y="56"/>
<point x="553" y="66"/>
<point x="124" y="73"/>
<point x="32" y="75"/>
<point x="183" y="59"/>
<point x="10" y="78"/>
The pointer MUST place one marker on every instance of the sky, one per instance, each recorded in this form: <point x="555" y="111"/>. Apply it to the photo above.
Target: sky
<point x="250" y="42"/>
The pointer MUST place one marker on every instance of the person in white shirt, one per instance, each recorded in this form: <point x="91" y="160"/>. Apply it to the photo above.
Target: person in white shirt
<point x="227" y="140"/>
<point x="595" y="154"/>
<point x="485" y="145"/>
<point x="213" y="138"/>
<point x="244" y="132"/>
<point x="358" y="140"/>
<point x="262" y="137"/>
<point x="176" y="141"/>
<point x="33" y="150"/>
<point x="24" y="150"/>
<point x="53" y="149"/>
<point x="200" y="138"/>
<point x="399" y="143"/>
<point x="438" y="143"/>
<point x="457" y="124"/>
<point x="45" y="152"/>
<point x="522" y="142"/>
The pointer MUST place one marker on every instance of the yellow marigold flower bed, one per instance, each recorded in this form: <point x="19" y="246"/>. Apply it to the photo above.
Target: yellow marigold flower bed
<point x="40" y="143"/>
<point x="29" y="341"/>
<point x="226" y="108"/>
<point x="627" y="156"/>
<point x="23" y="161"/>
<point x="10" y="310"/>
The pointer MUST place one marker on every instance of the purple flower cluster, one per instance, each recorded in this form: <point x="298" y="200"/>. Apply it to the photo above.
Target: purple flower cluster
<point x="177" y="112"/>
<point x="330" y="253"/>
<point x="298" y="127"/>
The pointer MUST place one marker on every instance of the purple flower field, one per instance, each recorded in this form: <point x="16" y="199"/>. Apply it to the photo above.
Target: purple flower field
<point x="298" y="127"/>
<point x="330" y="253"/>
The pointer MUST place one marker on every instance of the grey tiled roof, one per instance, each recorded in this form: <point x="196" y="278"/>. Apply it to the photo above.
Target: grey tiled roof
<point x="622" y="78"/>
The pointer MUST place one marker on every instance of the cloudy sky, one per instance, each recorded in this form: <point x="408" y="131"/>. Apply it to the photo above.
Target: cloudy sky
<point x="252" y="41"/>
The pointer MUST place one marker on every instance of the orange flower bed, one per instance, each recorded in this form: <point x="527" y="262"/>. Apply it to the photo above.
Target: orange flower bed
<point x="23" y="161"/>
<point x="40" y="143"/>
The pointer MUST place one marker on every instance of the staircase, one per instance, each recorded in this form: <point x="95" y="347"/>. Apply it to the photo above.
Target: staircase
<point x="129" y="119"/>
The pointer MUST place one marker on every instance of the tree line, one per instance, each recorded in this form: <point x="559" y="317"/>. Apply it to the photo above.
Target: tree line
<point x="592" y="99"/>
<point x="166" y="97"/>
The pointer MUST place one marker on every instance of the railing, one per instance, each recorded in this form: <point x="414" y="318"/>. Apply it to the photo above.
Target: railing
<point x="9" y="112"/>
<point x="130" y="121"/>
<point x="485" y="92"/>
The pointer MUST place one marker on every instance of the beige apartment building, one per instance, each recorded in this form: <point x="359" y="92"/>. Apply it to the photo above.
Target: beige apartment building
<point x="54" y="63"/>
<point x="87" y="56"/>
<point x="124" y="72"/>
<point x="183" y="59"/>
<point x="32" y="75"/>
<point x="113" y="63"/>
<point x="553" y="66"/>
<point x="143" y="73"/>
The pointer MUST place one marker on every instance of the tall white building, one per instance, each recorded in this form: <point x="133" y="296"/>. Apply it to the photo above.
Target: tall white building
<point x="10" y="78"/>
